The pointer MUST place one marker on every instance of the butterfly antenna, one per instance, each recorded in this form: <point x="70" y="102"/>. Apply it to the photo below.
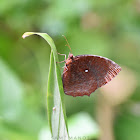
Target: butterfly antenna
<point x="67" y="43"/>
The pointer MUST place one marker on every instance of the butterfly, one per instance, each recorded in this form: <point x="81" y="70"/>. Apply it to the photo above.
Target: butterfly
<point x="83" y="74"/>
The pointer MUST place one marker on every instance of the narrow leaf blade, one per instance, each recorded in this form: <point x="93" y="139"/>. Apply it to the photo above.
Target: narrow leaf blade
<point x="55" y="93"/>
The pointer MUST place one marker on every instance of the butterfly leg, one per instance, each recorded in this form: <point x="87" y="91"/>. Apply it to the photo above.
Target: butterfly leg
<point x="65" y="70"/>
<point x="61" y="61"/>
<point x="62" y="54"/>
<point x="62" y="67"/>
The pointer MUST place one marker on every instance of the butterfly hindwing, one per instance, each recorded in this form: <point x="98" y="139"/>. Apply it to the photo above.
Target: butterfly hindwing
<point x="86" y="73"/>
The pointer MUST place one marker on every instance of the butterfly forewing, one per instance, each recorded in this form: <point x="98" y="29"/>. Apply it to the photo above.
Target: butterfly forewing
<point x="85" y="73"/>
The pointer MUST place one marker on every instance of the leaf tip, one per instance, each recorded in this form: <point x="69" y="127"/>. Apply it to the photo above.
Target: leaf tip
<point x="24" y="35"/>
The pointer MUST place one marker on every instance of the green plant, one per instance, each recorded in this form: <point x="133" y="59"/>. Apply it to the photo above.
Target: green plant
<point x="55" y="95"/>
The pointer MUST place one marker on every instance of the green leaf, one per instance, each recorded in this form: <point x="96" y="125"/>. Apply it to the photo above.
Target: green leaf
<point x="11" y="93"/>
<point x="55" y="93"/>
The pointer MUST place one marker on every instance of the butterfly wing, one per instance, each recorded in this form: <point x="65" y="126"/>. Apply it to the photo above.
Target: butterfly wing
<point x="86" y="73"/>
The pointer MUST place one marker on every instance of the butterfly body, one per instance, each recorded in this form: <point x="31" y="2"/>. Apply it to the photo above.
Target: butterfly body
<point x="83" y="74"/>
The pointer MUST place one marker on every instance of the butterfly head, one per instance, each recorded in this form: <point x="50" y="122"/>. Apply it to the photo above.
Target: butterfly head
<point x="70" y="56"/>
<point x="69" y="59"/>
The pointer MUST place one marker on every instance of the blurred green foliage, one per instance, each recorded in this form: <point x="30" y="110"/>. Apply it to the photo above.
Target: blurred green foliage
<point x="107" y="28"/>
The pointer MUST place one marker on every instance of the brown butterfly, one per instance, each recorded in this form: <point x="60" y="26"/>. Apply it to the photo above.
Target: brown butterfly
<point x="83" y="74"/>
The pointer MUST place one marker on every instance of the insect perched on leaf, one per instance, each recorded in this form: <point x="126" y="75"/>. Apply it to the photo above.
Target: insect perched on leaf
<point x="83" y="74"/>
